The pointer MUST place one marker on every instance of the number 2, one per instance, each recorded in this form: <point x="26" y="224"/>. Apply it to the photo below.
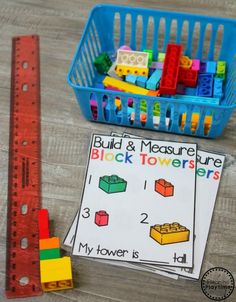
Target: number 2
<point x="144" y="219"/>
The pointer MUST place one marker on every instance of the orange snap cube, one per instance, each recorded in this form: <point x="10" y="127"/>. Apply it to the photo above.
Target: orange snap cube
<point x="49" y="243"/>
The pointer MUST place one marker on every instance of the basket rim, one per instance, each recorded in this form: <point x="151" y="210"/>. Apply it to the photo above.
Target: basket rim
<point x="150" y="11"/>
<point x="153" y="10"/>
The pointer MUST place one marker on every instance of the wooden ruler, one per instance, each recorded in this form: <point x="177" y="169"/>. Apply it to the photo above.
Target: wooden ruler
<point x="24" y="183"/>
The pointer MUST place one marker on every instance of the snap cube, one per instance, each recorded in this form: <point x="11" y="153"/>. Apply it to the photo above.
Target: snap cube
<point x="56" y="274"/>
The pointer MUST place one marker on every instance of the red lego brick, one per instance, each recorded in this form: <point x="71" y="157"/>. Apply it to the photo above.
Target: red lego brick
<point x="170" y="70"/>
<point x="43" y="224"/>
<point x="188" y="77"/>
<point x="101" y="218"/>
<point x="164" y="187"/>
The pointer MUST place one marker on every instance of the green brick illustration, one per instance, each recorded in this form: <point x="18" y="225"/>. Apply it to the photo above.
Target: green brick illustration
<point x="49" y="254"/>
<point x="112" y="184"/>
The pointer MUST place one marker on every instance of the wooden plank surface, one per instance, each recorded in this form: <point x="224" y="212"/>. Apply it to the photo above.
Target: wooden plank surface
<point x="65" y="142"/>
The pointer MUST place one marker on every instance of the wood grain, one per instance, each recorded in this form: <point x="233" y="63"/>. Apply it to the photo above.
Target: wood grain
<point x="65" y="142"/>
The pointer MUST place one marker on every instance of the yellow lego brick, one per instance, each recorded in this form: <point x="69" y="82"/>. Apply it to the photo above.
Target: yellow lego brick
<point x="56" y="274"/>
<point x="221" y="66"/>
<point x="161" y="57"/>
<point x="118" y="103"/>
<point x="168" y="233"/>
<point x="108" y="81"/>
<point x="195" y="119"/>
<point x="185" y="62"/>
<point x="125" y="70"/>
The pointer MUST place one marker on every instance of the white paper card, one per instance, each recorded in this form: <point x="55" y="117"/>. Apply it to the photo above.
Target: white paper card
<point x="118" y="212"/>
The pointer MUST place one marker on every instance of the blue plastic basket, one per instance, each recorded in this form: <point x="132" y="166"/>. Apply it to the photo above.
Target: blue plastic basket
<point x="202" y="37"/>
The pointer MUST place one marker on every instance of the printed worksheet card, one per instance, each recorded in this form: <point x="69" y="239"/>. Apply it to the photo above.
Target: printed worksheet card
<point x="138" y="202"/>
<point x="209" y="171"/>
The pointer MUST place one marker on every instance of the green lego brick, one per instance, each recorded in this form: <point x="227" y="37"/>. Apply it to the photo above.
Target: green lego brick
<point x="150" y="56"/>
<point x="103" y="63"/>
<point x="112" y="184"/>
<point x="156" y="108"/>
<point x="49" y="254"/>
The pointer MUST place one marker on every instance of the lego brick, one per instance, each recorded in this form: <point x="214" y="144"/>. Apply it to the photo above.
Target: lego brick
<point x="56" y="274"/>
<point x="103" y="63"/>
<point x="164" y="187"/>
<point x="108" y="81"/>
<point x="112" y="72"/>
<point x="143" y="117"/>
<point x="205" y="85"/>
<point x="221" y="67"/>
<point x="118" y="103"/>
<point x="170" y="71"/>
<point x="111" y="88"/>
<point x="218" y="88"/>
<point x="211" y="67"/>
<point x="99" y="86"/>
<point x="153" y="81"/>
<point x="130" y="78"/>
<point x="132" y="58"/>
<point x="195" y="120"/>
<point x="125" y="70"/>
<point x="157" y="65"/>
<point x="101" y="218"/>
<point x="94" y="108"/>
<point x="154" y="93"/>
<point x="161" y="57"/>
<point x="112" y="184"/>
<point x="49" y="254"/>
<point x="168" y="233"/>
<point x="202" y="67"/>
<point x="190" y="91"/>
<point x="125" y="47"/>
<point x="43" y="224"/>
<point x="141" y="81"/>
<point x="185" y="62"/>
<point x="197" y="99"/>
<point x="188" y="77"/>
<point x="150" y="56"/>
<point x="156" y="108"/>
<point x="49" y="243"/>
<point x="180" y="89"/>
<point x="120" y="114"/>
<point x="151" y="71"/>
<point x="195" y="64"/>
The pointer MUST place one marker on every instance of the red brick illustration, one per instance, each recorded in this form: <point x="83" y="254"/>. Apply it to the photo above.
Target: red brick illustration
<point x="101" y="218"/>
<point x="164" y="187"/>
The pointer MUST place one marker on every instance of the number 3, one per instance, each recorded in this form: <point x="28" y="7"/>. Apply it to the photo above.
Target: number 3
<point x="86" y="213"/>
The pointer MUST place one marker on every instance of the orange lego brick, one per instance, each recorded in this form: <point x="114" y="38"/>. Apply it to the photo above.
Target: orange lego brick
<point x="49" y="243"/>
<point x="164" y="187"/>
<point x="153" y="93"/>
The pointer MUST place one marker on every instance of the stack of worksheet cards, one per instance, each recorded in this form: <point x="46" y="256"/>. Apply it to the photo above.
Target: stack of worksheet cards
<point x="145" y="204"/>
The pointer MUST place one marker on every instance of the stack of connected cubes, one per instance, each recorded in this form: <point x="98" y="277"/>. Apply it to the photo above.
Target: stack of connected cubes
<point x="55" y="271"/>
